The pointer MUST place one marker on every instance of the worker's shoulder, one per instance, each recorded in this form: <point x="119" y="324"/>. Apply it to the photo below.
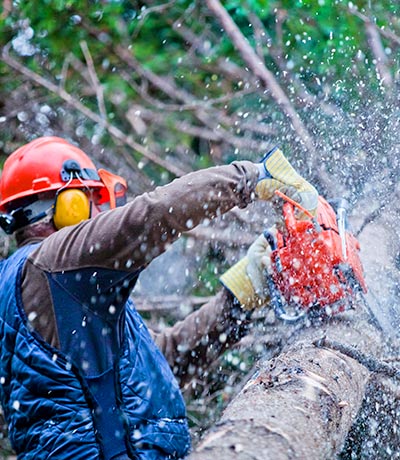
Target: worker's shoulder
<point x="51" y="253"/>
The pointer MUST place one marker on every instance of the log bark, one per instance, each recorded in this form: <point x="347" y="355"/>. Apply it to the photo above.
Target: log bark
<point x="301" y="404"/>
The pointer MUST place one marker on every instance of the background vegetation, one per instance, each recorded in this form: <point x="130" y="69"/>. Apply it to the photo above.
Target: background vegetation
<point x="155" y="89"/>
<point x="161" y="88"/>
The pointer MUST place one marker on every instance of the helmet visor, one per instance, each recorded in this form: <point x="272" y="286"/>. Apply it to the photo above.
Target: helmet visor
<point x="116" y="187"/>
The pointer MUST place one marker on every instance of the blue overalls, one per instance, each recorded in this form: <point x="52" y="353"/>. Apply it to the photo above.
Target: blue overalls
<point x="107" y="393"/>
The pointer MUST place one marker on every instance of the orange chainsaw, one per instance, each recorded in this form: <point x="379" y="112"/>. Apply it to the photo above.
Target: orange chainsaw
<point x="316" y="268"/>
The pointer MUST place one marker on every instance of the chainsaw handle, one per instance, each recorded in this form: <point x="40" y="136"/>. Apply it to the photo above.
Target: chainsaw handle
<point x="270" y="237"/>
<point x="289" y="214"/>
<point x="277" y="304"/>
<point x="276" y="299"/>
<point x="273" y="244"/>
<point x="341" y="214"/>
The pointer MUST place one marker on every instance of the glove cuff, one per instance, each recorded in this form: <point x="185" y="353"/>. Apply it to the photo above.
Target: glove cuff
<point x="263" y="171"/>
<point x="238" y="283"/>
<point x="280" y="174"/>
<point x="280" y="169"/>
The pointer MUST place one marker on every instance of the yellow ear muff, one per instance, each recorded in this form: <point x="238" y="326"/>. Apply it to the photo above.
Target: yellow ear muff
<point x="72" y="206"/>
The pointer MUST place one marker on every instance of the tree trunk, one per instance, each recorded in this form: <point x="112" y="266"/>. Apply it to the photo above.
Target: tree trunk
<point x="300" y="404"/>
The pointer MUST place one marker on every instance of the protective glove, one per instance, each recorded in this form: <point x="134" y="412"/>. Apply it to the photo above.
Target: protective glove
<point x="246" y="280"/>
<point x="277" y="173"/>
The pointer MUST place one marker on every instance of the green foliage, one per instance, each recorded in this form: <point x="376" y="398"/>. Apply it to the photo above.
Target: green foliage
<point x="173" y="64"/>
<point x="321" y="45"/>
<point x="208" y="276"/>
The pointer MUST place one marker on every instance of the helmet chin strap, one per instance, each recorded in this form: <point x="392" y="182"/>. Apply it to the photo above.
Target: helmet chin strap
<point x="37" y="210"/>
<point x="71" y="170"/>
<point x="26" y="215"/>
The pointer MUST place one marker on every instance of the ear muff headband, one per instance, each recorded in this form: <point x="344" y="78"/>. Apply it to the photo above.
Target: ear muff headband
<point x="71" y="207"/>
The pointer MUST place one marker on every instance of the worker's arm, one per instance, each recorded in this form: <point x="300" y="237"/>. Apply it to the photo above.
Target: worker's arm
<point x="118" y="243"/>
<point x="192" y="344"/>
<point x="128" y="238"/>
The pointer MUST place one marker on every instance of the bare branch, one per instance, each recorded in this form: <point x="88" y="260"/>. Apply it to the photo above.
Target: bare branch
<point x="147" y="11"/>
<point x="169" y="88"/>
<point x="384" y="32"/>
<point x="302" y="94"/>
<point x="64" y="69"/>
<point x="167" y="302"/>
<point x="390" y="35"/>
<point x="266" y="76"/>
<point x="239" y="123"/>
<point x="78" y="66"/>
<point x="228" y="237"/>
<point x="375" y="43"/>
<point x="216" y="135"/>
<point x="371" y="363"/>
<point x="7" y="8"/>
<point x="111" y="129"/>
<point x="164" y="84"/>
<point x="391" y="195"/>
<point x="184" y="107"/>
<point x="371" y="217"/>
<point x="373" y="33"/>
<point x="94" y="79"/>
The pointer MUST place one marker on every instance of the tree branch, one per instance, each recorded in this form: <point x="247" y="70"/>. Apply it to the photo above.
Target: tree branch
<point x="266" y="76"/>
<point x="384" y="32"/>
<point x="214" y="135"/>
<point x="243" y="124"/>
<point x="167" y="302"/>
<point x="371" y="217"/>
<point x="111" y="129"/>
<point x="371" y="363"/>
<point x="169" y="88"/>
<point x="375" y="43"/>
<point x="7" y="8"/>
<point x="303" y="96"/>
<point x="94" y="79"/>
<point x="200" y="108"/>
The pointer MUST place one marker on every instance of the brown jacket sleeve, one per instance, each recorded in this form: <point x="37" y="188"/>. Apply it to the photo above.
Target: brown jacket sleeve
<point x="190" y="345"/>
<point x="128" y="238"/>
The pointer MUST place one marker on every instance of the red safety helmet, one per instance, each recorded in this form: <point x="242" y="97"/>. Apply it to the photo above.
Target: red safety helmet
<point x="44" y="165"/>
<point x="52" y="164"/>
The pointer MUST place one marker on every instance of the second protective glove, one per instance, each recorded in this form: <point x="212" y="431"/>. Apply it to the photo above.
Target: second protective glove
<point x="246" y="280"/>
<point x="278" y="174"/>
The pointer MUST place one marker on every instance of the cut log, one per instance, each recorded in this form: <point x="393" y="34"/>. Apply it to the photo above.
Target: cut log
<point x="302" y="403"/>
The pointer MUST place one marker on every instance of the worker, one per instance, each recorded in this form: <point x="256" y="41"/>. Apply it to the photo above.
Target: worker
<point x="81" y="377"/>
